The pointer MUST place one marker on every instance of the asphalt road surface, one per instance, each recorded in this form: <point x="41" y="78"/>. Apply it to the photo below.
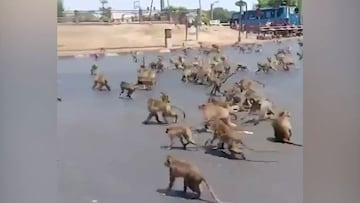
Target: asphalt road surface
<point x="108" y="155"/>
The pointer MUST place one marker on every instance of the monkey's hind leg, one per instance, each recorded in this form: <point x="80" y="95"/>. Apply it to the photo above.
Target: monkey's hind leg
<point x="122" y="92"/>
<point x="94" y="85"/>
<point x="129" y="93"/>
<point x="107" y="86"/>
<point x="164" y="115"/>
<point x="149" y="117"/>
<point x="183" y="143"/>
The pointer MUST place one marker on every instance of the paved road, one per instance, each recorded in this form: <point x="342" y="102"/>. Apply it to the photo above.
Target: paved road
<point x="106" y="154"/>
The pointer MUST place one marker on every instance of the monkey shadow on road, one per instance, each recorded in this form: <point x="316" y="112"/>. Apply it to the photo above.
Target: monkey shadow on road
<point x="180" y="194"/>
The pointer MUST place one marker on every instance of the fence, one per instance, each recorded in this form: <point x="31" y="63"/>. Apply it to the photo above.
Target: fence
<point x="127" y="16"/>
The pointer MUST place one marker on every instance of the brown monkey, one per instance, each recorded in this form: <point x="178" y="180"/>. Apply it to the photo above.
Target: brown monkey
<point x="130" y="88"/>
<point x="265" y="108"/>
<point x="217" y="83"/>
<point x="224" y="104"/>
<point x="265" y="67"/>
<point x="180" y="168"/>
<point x="163" y="106"/>
<point x="211" y="111"/>
<point x="182" y="132"/>
<point x="100" y="81"/>
<point x="250" y="95"/>
<point x="246" y="84"/>
<point x="227" y="135"/>
<point x="282" y="128"/>
<point x="146" y="77"/>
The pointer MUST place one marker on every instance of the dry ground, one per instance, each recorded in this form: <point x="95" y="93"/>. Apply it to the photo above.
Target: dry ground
<point x="125" y="37"/>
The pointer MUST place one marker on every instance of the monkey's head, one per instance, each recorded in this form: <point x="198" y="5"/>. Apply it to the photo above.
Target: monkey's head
<point x="165" y="97"/>
<point x="168" y="160"/>
<point x="202" y="106"/>
<point x="284" y="114"/>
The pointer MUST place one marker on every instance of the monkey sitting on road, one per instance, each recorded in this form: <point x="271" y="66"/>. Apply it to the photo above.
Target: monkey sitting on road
<point x="282" y="128"/>
<point x="182" y="132"/>
<point x="129" y="87"/>
<point x="100" y="82"/>
<point x="180" y="168"/>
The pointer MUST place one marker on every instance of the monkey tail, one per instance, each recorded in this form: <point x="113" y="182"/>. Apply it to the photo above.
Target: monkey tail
<point x="183" y="112"/>
<point x="291" y="143"/>
<point x="213" y="195"/>
<point x="254" y="150"/>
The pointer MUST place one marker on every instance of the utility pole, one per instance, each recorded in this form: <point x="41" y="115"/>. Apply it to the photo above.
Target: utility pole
<point x="212" y="9"/>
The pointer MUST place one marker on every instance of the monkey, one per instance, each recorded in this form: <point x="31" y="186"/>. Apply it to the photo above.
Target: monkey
<point x="217" y="83"/>
<point x="211" y="111"/>
<point x="158" y="66"/>
<point x="182" y="132"/>
<point x="226" y="135"/>
<point x="265" y="108"/>
<point x="246" y="84"/>
<point x="235" y="98"/>
<point x="189" y="74"/>
<point x="155" y="105"/>
<point x="93" y="69"/>
<point x="226" y="105"/>
<point x="258" y="48"/>
<point x="180" y="168"/>
<point x="242" y="49"/>
<point x="282" y="128"/>
<point x="229" y="136"/>
<point x="265" y="67"/>
<point x="300" y="43"/>
<point x="135" y="55"/>
<point x="209" y="49"/>
<point x="249" y="95"/>
<point x="146" y="77"/>
<point x="300" y="55"/>
<point x="240" y="67"/>
<point x="285" y="60"/>
<point x="100" y="82"/>
<point x="130" y="88"/>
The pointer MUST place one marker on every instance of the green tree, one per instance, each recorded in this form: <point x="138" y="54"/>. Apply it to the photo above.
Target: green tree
<point x="221" y="14"/>
<point x="272" y="3"/>
<point x="105" y="11"/>
<point x="60" y="8"/>
<point x="178" y="10"/>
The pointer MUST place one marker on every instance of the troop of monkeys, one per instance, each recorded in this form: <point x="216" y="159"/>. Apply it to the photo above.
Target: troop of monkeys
<point x="242" y="96"/>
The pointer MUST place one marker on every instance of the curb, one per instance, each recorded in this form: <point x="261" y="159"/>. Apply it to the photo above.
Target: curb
<point x="72" y="56"/>
<point x="159" y="50"/>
